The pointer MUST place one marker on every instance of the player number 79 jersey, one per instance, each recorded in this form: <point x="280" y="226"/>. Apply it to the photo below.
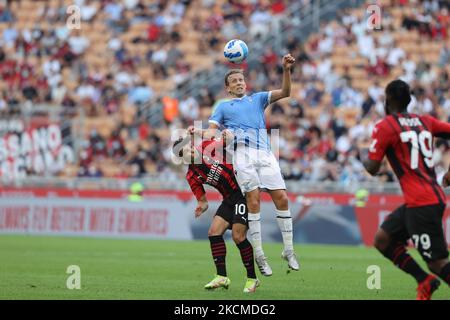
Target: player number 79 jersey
<point x="407" y="142"/>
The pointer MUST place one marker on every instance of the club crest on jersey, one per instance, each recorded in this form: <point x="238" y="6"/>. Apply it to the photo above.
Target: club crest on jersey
<point x="410" y="122"/>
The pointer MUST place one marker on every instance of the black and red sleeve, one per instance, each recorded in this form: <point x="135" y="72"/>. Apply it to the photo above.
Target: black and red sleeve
<point x="381" y="140"/>
<point x="439" y="128"/>
<point x="195" y="184"/>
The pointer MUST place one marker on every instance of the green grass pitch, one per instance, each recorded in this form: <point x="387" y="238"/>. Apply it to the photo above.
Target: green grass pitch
<point x="35" y="268"/>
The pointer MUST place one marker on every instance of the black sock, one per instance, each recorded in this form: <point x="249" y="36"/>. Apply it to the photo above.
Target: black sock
<point x="219" y="251"/>
<point x="246" y="250"/>
<point x="396" y="252"/>
<point x="445" y="273"/>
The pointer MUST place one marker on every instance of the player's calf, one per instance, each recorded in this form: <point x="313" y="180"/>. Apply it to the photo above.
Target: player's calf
<point x="396" y="252"/>
<point x="246" y="251"/>
<point x="239" y="234"/>
<point x="441" y="268"/>
<point x="219" y="251"/>
<point x="444" y="274"/>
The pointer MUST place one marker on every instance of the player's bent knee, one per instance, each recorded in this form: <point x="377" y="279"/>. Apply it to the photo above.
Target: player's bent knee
<point x="253" y="203"/>
<point x="238" y="237"/>
<point x="252" y="196"/>
<point x="381" y="240"/>
<point x="214" y="232"/>
<point x="282" y="202"/>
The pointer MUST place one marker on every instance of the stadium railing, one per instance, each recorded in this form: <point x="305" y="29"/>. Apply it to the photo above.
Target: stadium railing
<point x="158" y="182"/>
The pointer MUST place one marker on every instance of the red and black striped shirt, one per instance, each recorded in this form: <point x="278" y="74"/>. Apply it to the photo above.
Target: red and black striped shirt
<point x="407" y="141"/>
<point x="213" y="171"/>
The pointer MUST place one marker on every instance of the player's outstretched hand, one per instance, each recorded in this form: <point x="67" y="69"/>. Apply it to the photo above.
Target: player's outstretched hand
<point x="288" y="61"/>
<point x="192" y="130"/>
<point x="446" y="180"/>
<point x="201" y="207"/>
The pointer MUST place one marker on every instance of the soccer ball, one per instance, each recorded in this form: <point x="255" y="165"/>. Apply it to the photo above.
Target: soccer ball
<point x="235" y="51"/>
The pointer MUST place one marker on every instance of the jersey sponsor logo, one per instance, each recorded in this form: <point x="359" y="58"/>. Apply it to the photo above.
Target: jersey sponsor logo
<point x="214" y="173"/>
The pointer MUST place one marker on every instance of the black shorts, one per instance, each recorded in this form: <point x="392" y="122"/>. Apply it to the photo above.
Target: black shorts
<point x="234" y="210"/>
<point x="423" y="225"/>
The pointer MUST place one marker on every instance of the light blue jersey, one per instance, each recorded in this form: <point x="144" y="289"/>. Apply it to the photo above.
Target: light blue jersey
<point x="245" y="118"/>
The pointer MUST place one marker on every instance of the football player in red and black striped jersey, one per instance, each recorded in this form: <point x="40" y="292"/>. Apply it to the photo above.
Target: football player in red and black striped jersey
<point x="406" y="140"/>
<point x="208" y="165"/>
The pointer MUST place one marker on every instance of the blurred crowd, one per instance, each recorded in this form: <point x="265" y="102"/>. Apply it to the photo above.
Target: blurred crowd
<point x="316" y="142"/>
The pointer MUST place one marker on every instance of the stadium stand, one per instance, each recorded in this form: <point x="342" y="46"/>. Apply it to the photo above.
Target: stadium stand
<point x="128" y="64"/>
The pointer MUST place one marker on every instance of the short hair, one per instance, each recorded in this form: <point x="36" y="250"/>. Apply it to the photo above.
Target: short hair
<point x="179" y="145"/>
<point x="399" y="92"/>
<point x="230" y="72"/>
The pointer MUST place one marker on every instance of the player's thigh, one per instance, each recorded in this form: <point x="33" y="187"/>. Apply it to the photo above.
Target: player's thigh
<point x="239" y="232"/>
<point x="395" y="225"/>
<point x="279" y="197"/>
<point x="269" y="172"/>
<point x="218" y="226"/>
<point x="424" y="225"/>
<point x="245" y="170"/>
<point x="224" y="216"/>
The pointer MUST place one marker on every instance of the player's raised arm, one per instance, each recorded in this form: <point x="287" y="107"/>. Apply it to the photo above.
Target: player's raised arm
<point x="285" y="91"/>
<point x="439" y="128"/>
<point x="207" y="134"/>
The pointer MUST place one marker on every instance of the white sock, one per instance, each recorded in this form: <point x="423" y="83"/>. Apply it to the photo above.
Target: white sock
<point x="284" y="220"/>
<point x="254" y="226"/>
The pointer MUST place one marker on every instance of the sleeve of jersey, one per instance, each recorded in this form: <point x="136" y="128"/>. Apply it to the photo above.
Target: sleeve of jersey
<point x="379" y="144"/>
<point x="196" y="186"/>
<point x="217" y="116"/>
<point x="440" y="129"/>
<point x="264" y="99"/>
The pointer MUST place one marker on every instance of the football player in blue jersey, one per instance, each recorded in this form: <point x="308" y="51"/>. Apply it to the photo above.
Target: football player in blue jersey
<point x="255" y="165"/>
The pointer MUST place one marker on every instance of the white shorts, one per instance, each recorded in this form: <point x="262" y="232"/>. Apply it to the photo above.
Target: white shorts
<point x="257" y="169"/>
